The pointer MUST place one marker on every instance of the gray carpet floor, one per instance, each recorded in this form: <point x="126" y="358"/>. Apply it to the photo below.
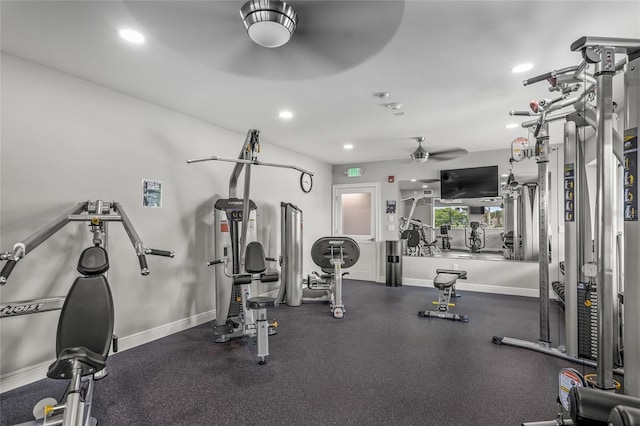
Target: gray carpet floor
<point x="380" y="365"/>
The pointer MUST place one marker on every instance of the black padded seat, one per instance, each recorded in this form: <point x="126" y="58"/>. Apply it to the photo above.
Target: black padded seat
<point x="622" y="415"/>
<point x="85" y="327"/>
<point x="261" y="302"/>
<point x="242" y="279"/>
<point x="444" y="280"/>
<point x="462" y="275"/>
<point x="268" y="277"/>
<point x="93" y="261"/>
<point x="591" y="407"/>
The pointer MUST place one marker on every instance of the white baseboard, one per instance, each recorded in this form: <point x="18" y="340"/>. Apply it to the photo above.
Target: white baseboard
<point x="33" y="373"/>
<point x="482" y="288"/>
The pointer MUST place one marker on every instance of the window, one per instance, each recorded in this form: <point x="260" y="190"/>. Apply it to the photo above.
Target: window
<point x="456" y="216"/>
<point x="493" y="217"/>
<point x="460" y="216"/>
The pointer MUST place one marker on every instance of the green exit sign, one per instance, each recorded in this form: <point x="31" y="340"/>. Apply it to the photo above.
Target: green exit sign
<point x="354" y="172"/>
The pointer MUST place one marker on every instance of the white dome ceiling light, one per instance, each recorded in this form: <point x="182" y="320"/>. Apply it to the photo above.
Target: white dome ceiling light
<point x="269" y="23"/>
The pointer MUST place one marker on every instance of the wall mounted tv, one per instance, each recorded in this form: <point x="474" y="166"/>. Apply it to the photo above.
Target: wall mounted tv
<point x="476" y="182"/>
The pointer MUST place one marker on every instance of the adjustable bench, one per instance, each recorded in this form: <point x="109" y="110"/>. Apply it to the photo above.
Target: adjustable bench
<point x="445" y="282"/>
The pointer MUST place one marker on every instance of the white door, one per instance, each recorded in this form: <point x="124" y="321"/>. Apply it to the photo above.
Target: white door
<point x="355" y="215"/>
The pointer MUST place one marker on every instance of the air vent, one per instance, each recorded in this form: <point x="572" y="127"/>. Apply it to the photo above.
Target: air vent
<point x="428" y="192"/>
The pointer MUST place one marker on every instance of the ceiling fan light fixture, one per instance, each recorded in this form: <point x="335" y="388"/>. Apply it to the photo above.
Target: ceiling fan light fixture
<point x="269" y="23"/>
<point x="420" y="156"/>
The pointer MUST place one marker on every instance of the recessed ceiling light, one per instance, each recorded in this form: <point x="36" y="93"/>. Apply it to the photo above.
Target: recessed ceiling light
<point x="285" y="114"/>
<point x="425" y="186"/>
<point x="504" y="175"/>
<point x="413" y="180"/>
<point x="511" y="126"/>
<point x="348" y="146"/>
<point x="522" y="68"/>
<point x="132" y="36"/>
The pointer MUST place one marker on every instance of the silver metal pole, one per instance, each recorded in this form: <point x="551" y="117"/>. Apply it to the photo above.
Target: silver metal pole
<point x="233" y="180"/>
<point x="542" y="158"/>
<point x="254" y="162"/>
<point x="571" y="263"/>
<point x="41" y="235"/>
<point x="605" y="220"/>
<point x="632" y="231"/>
<point x="246" y="212"/>
<point x="131" y="231"/>
<point x="35" y="306"/>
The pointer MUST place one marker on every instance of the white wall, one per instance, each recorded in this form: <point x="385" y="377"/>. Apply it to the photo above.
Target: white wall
<point x="65" y="141"/>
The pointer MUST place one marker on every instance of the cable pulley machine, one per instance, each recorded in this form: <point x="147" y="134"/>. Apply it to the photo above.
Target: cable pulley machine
<point x="239" y="314"/>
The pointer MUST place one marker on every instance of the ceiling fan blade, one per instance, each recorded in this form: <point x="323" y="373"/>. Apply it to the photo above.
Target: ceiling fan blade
<point x="450" y="154"/>
<point x="331" y="36"/>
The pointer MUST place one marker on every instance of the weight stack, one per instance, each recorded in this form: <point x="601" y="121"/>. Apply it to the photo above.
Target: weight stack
<point x="587" y="324"/>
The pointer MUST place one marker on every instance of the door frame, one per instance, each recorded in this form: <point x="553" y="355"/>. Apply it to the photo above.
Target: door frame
<point x="376" y="217"/>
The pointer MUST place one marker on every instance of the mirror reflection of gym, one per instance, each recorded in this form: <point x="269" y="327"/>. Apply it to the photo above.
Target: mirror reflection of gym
<point x="474" y="228"/>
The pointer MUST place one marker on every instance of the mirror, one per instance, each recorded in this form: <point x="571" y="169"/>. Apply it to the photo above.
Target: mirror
<point x="466" y="228"/>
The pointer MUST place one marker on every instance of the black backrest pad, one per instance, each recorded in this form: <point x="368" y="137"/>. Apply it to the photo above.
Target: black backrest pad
<point x="592" y="406"/>
<point x="624" y="416"/>
<point x="93" y="261"/>
<point x="254" y="258"/>
<point x="327" y="248"/>
<point x="87" y="316"/>
<point x="412" y="237"/>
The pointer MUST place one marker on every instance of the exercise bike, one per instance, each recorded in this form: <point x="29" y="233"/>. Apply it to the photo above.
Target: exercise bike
<point x="475" y="241"/>
<point x="332" y="254"/>
<point x="85" y="327"/>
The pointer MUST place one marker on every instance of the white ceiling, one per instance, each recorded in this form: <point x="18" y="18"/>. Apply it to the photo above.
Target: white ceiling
<point x="447" y="62"/>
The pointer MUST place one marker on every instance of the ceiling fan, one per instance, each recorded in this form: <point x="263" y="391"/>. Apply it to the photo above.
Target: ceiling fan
<point x="420" y="155"/>
<point x="327" y="37"/>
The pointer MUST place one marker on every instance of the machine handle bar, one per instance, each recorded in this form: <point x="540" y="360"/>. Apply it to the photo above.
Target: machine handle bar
<point x="6" y="271"/>
<point x="524" y="113"/>
<point x="144" y="268"/>
<point x="536" y="79"/>
<point x="252" y="162"/>
<point x="552" y="74"/>
<point x="215" y="262"/>
<point x="157" y="252"/>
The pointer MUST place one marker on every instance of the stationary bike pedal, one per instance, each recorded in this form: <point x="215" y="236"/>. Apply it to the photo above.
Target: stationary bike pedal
<point x="44" y="407"/>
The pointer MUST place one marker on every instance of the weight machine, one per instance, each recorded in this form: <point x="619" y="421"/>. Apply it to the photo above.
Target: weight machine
<point x="614" y="155"/>
<point x="568" y="82"/>
<point x="238" y="313"/>
<point x="85" y="328"/>
<point x="421" y="238"/>
<point x="332" y="255"/>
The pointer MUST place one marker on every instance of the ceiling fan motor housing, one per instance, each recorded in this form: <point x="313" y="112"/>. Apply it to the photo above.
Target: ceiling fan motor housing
<point x="420" y="155"/>
<point x="269" y="23"/>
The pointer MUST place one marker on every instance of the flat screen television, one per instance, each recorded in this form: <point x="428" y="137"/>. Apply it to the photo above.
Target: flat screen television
<point x="476" y="210"/>
<point x="475" y="182"/>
